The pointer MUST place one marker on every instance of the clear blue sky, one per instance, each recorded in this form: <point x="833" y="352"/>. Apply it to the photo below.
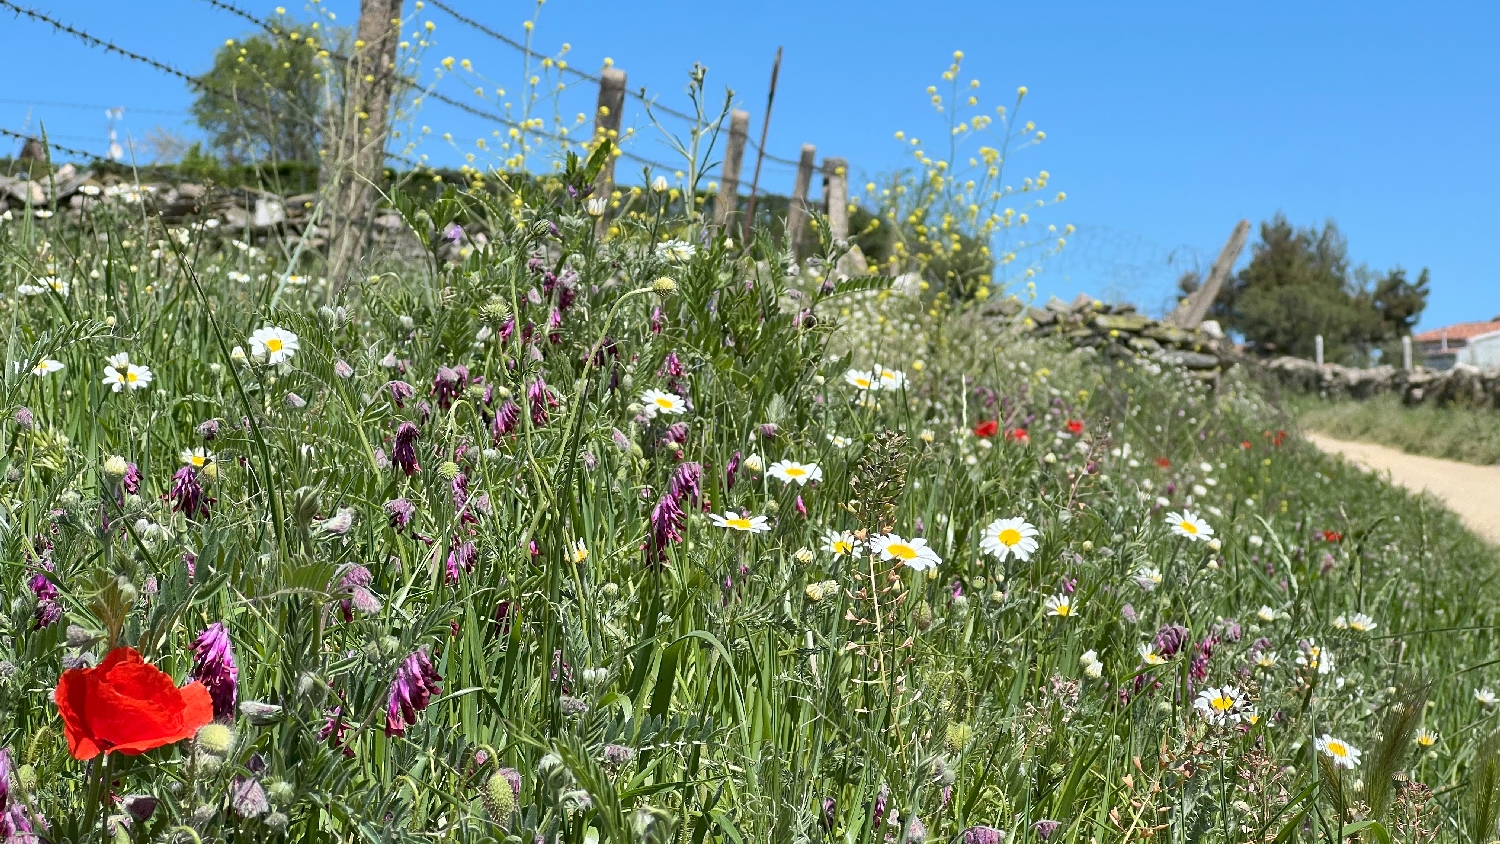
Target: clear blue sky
<point x="1165" y="122"/>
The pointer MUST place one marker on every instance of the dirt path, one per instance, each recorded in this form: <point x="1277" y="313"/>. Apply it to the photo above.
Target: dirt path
<point x="1473" y="492"/>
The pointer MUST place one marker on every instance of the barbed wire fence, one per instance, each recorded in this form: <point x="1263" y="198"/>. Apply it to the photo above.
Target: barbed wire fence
<point x="834" y="170"/>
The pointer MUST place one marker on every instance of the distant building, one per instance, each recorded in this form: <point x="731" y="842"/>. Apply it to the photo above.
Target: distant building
<point x="1474" y="343"/>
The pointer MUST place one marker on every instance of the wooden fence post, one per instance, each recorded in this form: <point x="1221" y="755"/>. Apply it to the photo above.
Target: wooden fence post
<point x="1191" y="312"/>
<point x="836" y="193"/>
<point x="358" y="154"/>
<point x="727" y="201"/>
<point x="796" y="215"/>
<point x="607" y="115"/>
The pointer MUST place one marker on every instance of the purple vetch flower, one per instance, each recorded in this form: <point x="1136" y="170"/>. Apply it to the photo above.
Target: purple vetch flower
<point x="461" y="559"/>
<point x="1170" y="639"/>
<point x="213" y="666"/>
<point x="1045" y="829"/>
<point x="404" y="451"/>
<point x="140" y="807"/>
<point x="621" y="441"/>
<point x="881" y="798"/>
<point x="1128" y="613"/>
<point x="916" y="833"/>
<point x="132" y="480"/>
<point x="768" y="430"/>
<point x="415" y="683"/>
<point x="801" y="507"/>
<point x="676" y="433"/>
<point x="48" y="607"/>
<point x="454" y="233"/>
<point x="618" y="754"/>
<point x="983" y="835"/>
<point x="448" y="385"/>
<point x="687" y="482"/>
<point x="187" y="494"/>
<point x="829" y="816"/>
<point x="666" y="528"/>
<point x="460" y="489"/>
<point x="342" y="369"/>
<point x="208" y="430"/>
<point x="15" y="826"/>
<point x="247" y="798"/>
<point x="1202" y="653"/>
<point x="539" y="395"/>
<point x="25" y="420"/>
<point x="731" y="470"/>
<point x="355" y="583"/>
<point x="507" y="419"/>
<point x="400" y="391"/>
<point x="658" y="320"/>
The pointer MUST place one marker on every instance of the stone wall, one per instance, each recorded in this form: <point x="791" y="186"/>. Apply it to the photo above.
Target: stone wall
<point x="1463" y="384"/>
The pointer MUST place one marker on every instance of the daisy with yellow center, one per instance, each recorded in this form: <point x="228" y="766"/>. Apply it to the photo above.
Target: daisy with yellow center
<point x="1221" y="706"/>
<point x="914" y="553"/>
<point x="734" y="521"/>
<point x="861" y="380"/>
<point x="1265" y="659"/>
<point x="578" y="553"/>
<point x="1426" y="738"/>
<point x="660" y="401"/>
<point x="1150" y="656"/>
<point x="197" y="457"/>
<point x="1189" y="525"/>
<point x="841" y="543"/>
<point x="1340" y="751"/>
<point x="790" y="471"/>
<point x="1006" y="538"/>
<point x="889" y="379"/>
<point x="47" y="367"/>
<point x="275" y="344"/>
<point x="1060" y="606"/>
<point x="121" y="374"/>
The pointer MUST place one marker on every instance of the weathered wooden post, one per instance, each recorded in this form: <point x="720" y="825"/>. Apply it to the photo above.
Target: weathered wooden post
<point x="358" y="154"/>
<point x="1318" y="349"/>
<point x="1406" y="353"/>
<point x="796" y="215"/>
<point x="836" y="193"/>
<point x="728" y="199"/>
<point x="1191" y="312"/>
<point x="607" y="115"/>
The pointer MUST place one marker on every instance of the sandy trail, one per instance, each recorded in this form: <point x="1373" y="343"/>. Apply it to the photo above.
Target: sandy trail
<point x="1473" y="492"/>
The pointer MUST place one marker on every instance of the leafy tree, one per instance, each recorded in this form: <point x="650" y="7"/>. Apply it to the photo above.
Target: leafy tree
<point x="262" y="99"/>
<point x="1299" y="285"/>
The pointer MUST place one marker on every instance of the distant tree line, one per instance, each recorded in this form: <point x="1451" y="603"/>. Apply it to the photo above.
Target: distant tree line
<point x="1299" y="284"/>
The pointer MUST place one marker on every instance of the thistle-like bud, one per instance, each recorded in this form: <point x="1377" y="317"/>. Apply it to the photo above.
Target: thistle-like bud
<point x="664" y="286"/>
<point x="651" y="825"/>
<point x="957" y="737"/>
<point x="216" y="738"/>
<point x="116" y="467"/>
<point x="499" y="798"/>
<point x="921" y="616"/>
<point x="494" y="312"/>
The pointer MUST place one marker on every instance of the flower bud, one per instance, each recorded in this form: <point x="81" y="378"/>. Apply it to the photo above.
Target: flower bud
<point x="664" y="286"/>
<point x="216" y="738"/>
<point x="499" y="798"/>
<point x="116" y="467"/>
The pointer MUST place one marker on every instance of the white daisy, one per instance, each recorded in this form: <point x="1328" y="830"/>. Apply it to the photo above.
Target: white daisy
<point x="1361" y="623"/>
<point x="838" y="441"/>
<point x="128" y="375"/>
<point x="1225" y="705"/>
<point x="660" y="401"/>
<point x="1091" y="664"/>
<point x="238" y="277"/>
<point x="1485" y="697"/>
<point x="1265" y="613"/>
<point x="1426" y="737"/>
<point x="197" y="457"/>
<point x="1150" y="656"/>
<point x="889" y="379"/>
<point x="47" y="367"/>
<point x="734" y="521"/>
<point x="861" y="380"/>
<point x="675" y="251"/>
<point x="1005" y="538"/>
<point x="1313" y="656"/>
<point x="277" y="344"/>
<point x="841" y="543"/>
<point x="1060" y="606"/>
<point x="1148" y="578"/>
<point x="913" y="552"/>
<point x="578" y="553"/>
<point x="1188" y="525"/>
<point x="1339" y="751"/>
<point x="789" y="471"/>
<point x="1265" y="659"/>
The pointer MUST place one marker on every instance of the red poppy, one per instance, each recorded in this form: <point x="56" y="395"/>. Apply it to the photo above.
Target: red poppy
<point x="1332" y="536"/>
<point x="1163" y="462"/>
<point x="987" y="428"/>
<point x="1279" y="438"/>
<point x="1018" y="435"/>
<point x="1075" y="426"/>
<point x="126" y="705"/>
<point x="1245" y="444"/>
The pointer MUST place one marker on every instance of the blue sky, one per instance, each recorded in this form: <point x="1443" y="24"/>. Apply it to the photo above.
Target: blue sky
<point x="1165" y="122"/>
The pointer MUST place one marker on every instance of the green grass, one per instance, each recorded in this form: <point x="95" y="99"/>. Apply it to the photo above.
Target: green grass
<point x="1453" y="432"/>
<point x="748" y="687"/>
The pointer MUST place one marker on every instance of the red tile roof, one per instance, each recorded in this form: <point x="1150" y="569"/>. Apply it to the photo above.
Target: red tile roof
<point x="1460" y="331"/>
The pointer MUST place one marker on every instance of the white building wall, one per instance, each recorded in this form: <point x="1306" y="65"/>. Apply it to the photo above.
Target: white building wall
<point x="1482" y="351"/>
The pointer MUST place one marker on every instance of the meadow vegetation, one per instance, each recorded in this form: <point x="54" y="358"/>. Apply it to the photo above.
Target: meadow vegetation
<point x="1453" y="432"/>
<point x="542" y="536"/>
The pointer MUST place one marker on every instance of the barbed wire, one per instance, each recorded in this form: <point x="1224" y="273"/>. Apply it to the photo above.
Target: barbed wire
<point x="22" y="136"/>
<point x="504" y="120"/>
<point x="55" y="104"/>
<point x="650" y="102"/>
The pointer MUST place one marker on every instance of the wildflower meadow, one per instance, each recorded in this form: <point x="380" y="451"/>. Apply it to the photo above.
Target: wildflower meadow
<point x="549" y="531"/>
